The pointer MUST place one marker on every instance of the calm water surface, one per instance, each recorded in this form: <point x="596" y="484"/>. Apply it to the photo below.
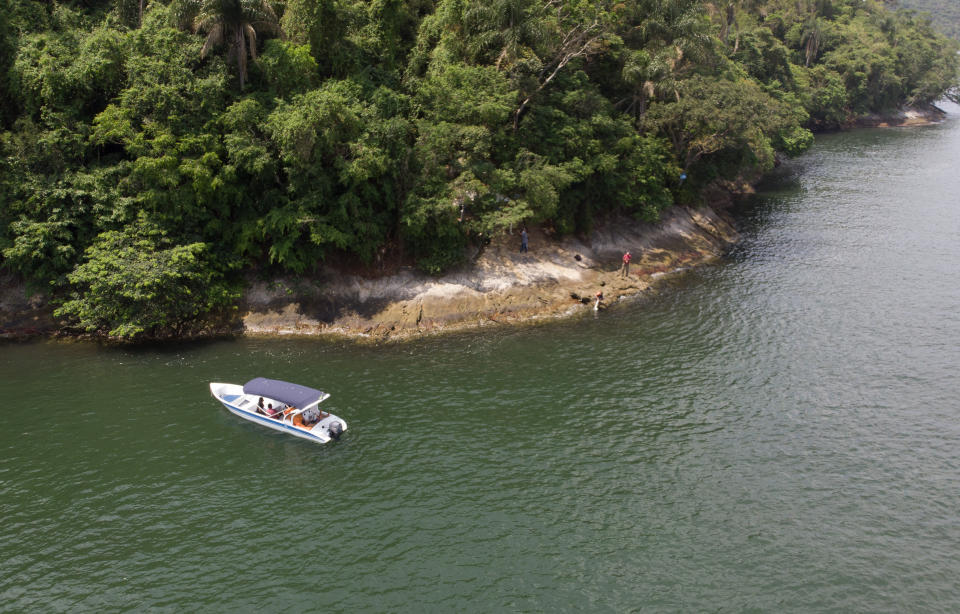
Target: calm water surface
<point x="776" y="432"/>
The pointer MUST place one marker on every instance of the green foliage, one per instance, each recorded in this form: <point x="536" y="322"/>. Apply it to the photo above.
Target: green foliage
<point x="139" y="283"/>
<point x="8" y="46"/>
<point x="729" y="118"/>
<point x="945" y="14"/>
<point x="764" y="57"/>
<point x="339" y="153"/>
<point x="824" y="96"/>
<point x="71" y="72"/>
<point x="418" y="128"/>
<point x="644" y="176"/>
<point x="40" y="250"/>
<point x="322" y="25"/>
<point x="867" y="69"/>
<point x="166" y="83"/>
<point x="287" y="68"/>
<point x="461" y="108"/>
<point x="884" y="60"/>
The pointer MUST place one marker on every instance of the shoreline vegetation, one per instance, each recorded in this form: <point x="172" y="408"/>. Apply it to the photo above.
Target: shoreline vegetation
<point x="499" y="286"/>
<point x="558" y="278"/>
<point x="945" y="14"/>
<point x="173" y="169"/>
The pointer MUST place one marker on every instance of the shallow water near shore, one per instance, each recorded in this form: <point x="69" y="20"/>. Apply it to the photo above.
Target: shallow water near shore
<point x="777" y="431"/>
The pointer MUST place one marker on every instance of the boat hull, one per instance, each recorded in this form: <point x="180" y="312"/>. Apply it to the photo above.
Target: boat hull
<point x="232" y="397"/>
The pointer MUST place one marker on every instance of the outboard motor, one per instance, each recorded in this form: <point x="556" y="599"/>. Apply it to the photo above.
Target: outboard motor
<point x="335" y="429"/>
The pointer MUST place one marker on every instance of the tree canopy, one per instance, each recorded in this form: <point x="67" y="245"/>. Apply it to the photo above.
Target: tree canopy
<point x="150" y="151"/>
<point x="945" y="14"/>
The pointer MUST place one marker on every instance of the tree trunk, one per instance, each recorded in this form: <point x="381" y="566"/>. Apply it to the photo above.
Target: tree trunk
<point x="241" y="50"/>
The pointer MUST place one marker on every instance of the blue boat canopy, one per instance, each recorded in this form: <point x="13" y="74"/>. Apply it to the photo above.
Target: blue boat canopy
<point x="296" y="395"/>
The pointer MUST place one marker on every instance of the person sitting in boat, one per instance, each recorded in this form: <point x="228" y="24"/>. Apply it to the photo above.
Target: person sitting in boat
<point x="260" y="409"/>
<point x="273" y="413"/>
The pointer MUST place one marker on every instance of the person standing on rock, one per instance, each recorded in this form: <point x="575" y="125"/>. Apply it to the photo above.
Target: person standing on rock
<point x="625" y="267"/>
<point x="523" y="240"/>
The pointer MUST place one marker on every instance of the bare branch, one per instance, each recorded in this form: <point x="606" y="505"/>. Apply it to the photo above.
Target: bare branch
<point x="576" y="43"/>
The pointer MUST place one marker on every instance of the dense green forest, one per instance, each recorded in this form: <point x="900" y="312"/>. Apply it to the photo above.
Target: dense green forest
<point x="152" y="153"/>
<point x="945" y="13"/>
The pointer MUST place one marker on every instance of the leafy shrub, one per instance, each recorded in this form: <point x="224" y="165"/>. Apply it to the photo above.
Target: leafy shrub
<point x="138" y="283"/>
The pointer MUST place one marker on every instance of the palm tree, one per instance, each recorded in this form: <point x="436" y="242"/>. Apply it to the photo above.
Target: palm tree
<point x="811" y="39"/>
<point x="233" y="24"/>
<point x="510" y="25"/>
<point x="666" y="39"/>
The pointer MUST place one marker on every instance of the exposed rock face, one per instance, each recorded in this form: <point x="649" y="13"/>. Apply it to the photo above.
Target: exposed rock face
<point x="501" y="285"/>
<point x="913" y="116"/>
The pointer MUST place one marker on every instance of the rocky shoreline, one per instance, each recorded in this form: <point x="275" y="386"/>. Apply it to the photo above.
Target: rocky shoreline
<point x="915" y="116"/>
<point x="557" y="278"/>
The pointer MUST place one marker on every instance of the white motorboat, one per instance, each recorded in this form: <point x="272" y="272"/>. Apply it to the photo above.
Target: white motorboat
<point x="281" y="406"/>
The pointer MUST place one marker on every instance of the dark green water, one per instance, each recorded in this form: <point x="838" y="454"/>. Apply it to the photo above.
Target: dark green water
<point x="776" y="432"/>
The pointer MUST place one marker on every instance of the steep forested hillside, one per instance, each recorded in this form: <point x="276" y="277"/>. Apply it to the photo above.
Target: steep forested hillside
<point x="945" y="13"/>
<point x="153" y="150"/>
